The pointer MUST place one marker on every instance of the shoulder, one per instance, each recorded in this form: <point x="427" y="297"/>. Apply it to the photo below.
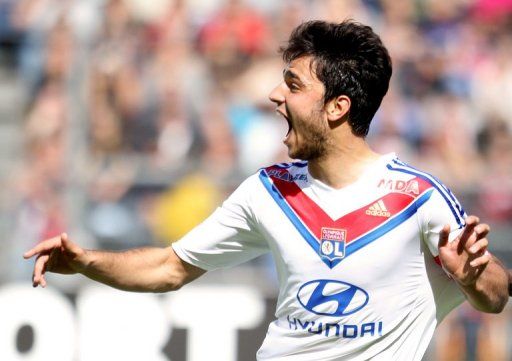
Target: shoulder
<point x="441" y="197"/>
<point x="404" y="170"/>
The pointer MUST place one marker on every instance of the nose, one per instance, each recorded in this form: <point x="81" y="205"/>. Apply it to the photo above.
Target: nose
<point x="277" y="94"/>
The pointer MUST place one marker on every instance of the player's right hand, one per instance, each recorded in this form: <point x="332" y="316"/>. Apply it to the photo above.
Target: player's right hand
<point x="58" y="255"/>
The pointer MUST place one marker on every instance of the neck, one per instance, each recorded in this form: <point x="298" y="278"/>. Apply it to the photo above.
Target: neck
<point x="343" y="164"/>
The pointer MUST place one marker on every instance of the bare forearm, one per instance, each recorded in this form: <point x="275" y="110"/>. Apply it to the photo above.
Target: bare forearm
<point x="140" y="270"/>
<point x="490" y="292"/>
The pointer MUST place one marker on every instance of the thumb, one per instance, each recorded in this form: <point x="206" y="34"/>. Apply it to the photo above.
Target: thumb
<point x="66" y="244"/>
<point x="443" y="236"/>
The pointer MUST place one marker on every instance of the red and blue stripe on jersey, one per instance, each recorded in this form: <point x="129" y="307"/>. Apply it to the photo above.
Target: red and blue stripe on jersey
<point x="361" y="229"/>
<point x="454" y="205"/>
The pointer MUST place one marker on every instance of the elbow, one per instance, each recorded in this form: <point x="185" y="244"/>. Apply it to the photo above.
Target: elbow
<point x="174" y="274"/>
<point x="500" y="305"/>
<point x="495" y="306"/>
<point x="169" y="287"/>
<point x="171" y="282"/>
<point x="493" y="290"/>
<point x="502" y="296"/>
<point x="495" y="309"/>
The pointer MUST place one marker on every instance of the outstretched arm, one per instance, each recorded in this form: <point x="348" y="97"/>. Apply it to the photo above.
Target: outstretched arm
<point x="483" y="280"/>
<point x="141" y="270"/>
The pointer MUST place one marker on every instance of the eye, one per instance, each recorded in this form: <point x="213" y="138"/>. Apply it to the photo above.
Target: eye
<point x="294" y="87"/>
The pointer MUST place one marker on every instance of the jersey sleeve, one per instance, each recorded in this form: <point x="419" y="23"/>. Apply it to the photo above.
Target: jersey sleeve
<point x="442" y="208"/>
<point x="228" y="237"/>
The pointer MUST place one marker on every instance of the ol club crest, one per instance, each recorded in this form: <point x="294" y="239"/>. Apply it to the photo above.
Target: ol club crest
<point x="332" y="243"/>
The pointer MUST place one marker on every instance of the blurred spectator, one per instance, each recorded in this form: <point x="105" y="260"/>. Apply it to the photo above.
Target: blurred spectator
<point x="495" y="196"/>
<point x="234" y="35"/>
<point x="117" y="92"/>
<point x="111" y="216"/>
<point x="257" y="129"/>
<point x="182" y="207"/>
<point x="218" y="157"/>
<point x="471" y="321"/>
<point x="39" y="184"/>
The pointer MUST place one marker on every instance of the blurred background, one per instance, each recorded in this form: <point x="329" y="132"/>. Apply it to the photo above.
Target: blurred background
<point x="126" y="122"/>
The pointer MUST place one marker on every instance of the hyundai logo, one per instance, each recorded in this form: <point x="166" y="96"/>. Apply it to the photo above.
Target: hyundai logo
<point x="332" y="298"/>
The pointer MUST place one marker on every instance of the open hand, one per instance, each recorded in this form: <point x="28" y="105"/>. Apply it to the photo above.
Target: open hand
<point x="465" y="257"/>
<point x="58" y="255"/>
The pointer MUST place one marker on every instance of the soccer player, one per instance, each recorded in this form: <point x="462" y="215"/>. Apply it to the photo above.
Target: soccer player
<point x="371" y="253"/>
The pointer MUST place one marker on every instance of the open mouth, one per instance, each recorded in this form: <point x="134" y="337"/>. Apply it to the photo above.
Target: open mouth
<point x="287" y="121"/>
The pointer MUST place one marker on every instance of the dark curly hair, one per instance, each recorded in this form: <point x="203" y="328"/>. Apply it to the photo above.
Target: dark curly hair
<point x="349" y="59"/>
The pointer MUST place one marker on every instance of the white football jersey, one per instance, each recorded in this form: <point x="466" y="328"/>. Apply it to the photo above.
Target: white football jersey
<point x="359" y="276"/>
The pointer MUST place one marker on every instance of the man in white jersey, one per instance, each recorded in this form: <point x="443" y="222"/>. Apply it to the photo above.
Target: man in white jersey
<point x="371" y="253"/>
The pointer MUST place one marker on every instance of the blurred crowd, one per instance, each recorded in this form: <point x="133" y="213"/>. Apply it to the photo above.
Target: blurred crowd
<point x="139" y="117"/>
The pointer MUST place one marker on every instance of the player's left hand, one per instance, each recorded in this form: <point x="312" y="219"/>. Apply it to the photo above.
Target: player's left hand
<point x="465" y="257"/>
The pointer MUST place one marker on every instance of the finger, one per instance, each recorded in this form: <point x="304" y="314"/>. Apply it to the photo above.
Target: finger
<point x="482" y="230"/>
<point x="465" y="239"/>
<point x="64" y="240"/>
<point x="481" y="261"/>
<point x="479" y="246"/>
<point x="472" y="220"/>
<point x="479" y="232"/>
<point x="42" y="281"/>
<point x="42" y="247"/>
<point x="469" y="242"/>
<point x="443" y="236"/>
<point x="38" y="269"/>
<point x="471" y="223"/>
<point x="39" y="266"/>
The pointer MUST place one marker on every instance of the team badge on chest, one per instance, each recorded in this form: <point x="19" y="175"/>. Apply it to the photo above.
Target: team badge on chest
<point x="332" y="243"/>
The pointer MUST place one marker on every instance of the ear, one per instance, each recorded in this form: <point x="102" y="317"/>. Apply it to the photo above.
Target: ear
<point x="337" y="108"/>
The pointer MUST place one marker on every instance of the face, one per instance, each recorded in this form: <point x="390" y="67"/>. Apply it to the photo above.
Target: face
<point x="299" y="99"/>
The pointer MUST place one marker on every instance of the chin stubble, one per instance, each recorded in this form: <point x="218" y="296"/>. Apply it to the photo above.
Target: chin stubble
<point x="315" y="138"/>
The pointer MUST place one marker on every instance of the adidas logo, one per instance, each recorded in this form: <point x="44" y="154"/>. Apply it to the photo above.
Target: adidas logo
<point x="378" y="209"/>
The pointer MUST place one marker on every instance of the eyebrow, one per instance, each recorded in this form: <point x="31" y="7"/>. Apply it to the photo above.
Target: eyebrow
<point x="287" y="73"/>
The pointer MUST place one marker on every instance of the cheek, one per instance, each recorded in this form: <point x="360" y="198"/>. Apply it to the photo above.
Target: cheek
<point x="303" y="107"/>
